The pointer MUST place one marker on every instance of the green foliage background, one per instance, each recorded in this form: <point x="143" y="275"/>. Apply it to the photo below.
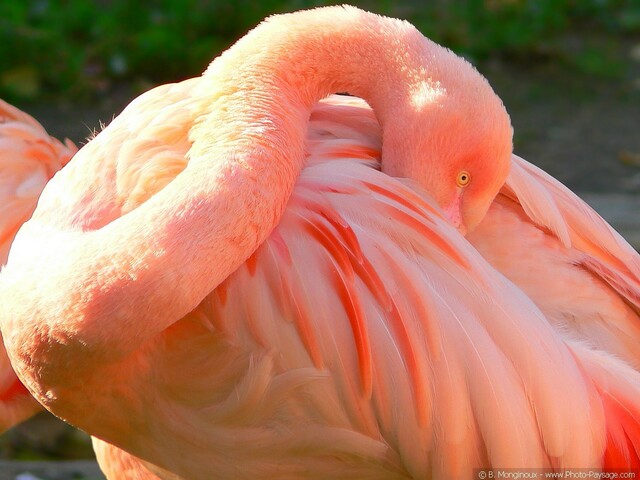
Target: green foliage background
<point x="79" y="48"/>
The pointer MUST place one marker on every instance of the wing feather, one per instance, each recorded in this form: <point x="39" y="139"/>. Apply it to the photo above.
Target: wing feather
<point x="29" y="157"/>
<point x="549" y="204"/>
<point x="618" y="385"/>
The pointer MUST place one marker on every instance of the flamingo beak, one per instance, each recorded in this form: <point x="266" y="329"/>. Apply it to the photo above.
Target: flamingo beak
<point x="453" y="213"/>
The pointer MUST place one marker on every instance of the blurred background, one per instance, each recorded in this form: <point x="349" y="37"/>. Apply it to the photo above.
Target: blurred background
<point x="567" y="70"/>
<point x="79" y="49"/>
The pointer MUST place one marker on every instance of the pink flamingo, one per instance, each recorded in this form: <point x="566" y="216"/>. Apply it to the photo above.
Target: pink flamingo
<point x="398" y="365"/>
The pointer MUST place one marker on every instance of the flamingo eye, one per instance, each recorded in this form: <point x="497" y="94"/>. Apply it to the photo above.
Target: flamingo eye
<point x="463" y="179"/>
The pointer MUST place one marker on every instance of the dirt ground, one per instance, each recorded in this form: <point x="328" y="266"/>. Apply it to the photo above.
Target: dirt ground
<point x="583" y="130"/>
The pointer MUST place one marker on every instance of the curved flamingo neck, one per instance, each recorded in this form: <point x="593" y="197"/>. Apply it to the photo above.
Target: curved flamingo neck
<point x="248" y="145"/>
<point x="308" y="55"/>
<point x="114" y="288"/>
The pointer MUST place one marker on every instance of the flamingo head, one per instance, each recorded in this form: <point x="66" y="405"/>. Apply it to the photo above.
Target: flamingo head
<point x="455" y="141"/>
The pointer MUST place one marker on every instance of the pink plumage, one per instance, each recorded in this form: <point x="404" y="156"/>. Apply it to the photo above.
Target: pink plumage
<point x="29" y="157"/>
